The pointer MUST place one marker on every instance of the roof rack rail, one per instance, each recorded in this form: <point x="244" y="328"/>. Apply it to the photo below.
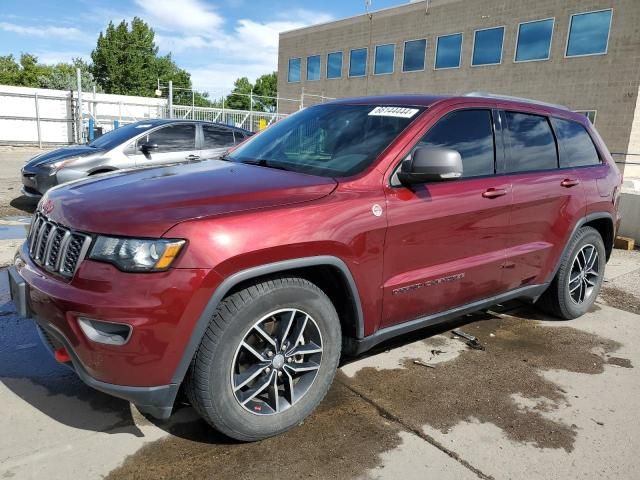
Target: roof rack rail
<point x="516" y="99"/>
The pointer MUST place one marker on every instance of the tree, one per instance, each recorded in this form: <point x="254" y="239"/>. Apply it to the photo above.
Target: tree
<point x="63" y="76"/>
<point x="9" y="70"/>
<point x="266" y="86"/>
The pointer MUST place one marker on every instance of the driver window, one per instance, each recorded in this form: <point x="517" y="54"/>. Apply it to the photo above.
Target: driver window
<point x="469" y="132"/>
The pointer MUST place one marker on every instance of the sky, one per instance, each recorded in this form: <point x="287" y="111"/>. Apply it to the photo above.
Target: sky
<point x="216" y="41"/>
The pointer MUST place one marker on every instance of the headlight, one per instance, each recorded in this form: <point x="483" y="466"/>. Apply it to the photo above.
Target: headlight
<point x="55" y="166"/>
<point x="136" y="255"/>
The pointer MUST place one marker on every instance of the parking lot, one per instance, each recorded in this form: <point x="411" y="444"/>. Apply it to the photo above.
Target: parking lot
<point x="542" y="399"/>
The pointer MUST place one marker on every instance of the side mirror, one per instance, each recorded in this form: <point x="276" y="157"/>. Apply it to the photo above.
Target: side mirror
<point x="431" y="165"/>
<point x="147" y="147"/>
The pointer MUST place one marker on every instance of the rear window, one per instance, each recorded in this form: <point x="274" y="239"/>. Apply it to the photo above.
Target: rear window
<point x="217" y="137"/>
<point x="576" y="147"/>
<point x="531" y="142"/>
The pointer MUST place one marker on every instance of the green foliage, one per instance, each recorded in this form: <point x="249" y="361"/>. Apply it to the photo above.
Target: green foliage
<point x="29" y="73"/>
<point x="265" y="86"/>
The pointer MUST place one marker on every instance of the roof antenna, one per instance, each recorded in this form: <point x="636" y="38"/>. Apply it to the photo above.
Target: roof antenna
<point x="367" y="6"/>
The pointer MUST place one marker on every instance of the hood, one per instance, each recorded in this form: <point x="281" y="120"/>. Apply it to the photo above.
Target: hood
<point x="63" y="153"/>
<point x="146" y="203"/>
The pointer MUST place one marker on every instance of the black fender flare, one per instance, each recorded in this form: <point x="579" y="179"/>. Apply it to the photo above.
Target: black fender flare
<point x="255" y="272"/>
<point x="579" y="224"/>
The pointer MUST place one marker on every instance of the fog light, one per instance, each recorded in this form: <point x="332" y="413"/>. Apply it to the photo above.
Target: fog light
<point x="107" y="333"/>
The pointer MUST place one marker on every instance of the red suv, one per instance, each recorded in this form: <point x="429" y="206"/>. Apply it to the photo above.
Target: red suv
<point x="243" y="279"/>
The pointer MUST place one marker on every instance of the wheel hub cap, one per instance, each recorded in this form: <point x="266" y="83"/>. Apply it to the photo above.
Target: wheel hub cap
<point x="276" y="362"/>
<point x="584" y="275"/>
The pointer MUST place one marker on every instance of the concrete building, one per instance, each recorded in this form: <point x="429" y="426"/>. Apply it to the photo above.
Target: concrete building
<point x="584" y="54"/>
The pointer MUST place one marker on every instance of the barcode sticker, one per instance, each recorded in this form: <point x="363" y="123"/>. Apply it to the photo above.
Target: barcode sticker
<point x="401" y="112"/>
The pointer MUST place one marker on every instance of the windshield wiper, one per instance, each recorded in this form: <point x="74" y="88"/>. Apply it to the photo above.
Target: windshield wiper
<point x="265" y="163"/>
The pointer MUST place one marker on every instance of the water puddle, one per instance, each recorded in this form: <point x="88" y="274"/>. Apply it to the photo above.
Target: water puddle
<point x="14" y="227"/>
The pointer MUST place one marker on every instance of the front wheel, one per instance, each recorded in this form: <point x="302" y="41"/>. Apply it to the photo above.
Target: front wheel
<point x="267" y="359"/>
<point x="577" y="283"/>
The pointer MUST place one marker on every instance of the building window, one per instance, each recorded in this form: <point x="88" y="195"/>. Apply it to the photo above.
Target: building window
<point x="385" y="58"/>
<point x="414" y="55"/>
<point x="590" y="114"/>
<point x="294" y="70"/>
<point x="334" y="65"/>
<point x="534" y="40"/>
<point x="487" y="46"/>
<point x="448" y="51"/>
<point x="589" y="33"/>
<point x="313" y="67"/>
<point x="358" y="62"/>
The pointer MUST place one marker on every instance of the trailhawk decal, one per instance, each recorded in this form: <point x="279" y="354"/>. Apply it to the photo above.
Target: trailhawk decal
<point x="401" y="112"/>
<point x="429" y="283"/>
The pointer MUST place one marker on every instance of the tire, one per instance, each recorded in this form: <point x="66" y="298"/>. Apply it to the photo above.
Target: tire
<point x="222" y="363"/>
<point x="564" y="300"/>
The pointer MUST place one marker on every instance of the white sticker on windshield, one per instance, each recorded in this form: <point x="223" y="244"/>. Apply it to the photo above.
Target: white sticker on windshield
<point x="146" y="125"/>
<point x="401" y="112"/>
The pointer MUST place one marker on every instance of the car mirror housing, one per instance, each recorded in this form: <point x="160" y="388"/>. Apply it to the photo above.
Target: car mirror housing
<point x="147" y="147"/>
<point x="431" y="165"/>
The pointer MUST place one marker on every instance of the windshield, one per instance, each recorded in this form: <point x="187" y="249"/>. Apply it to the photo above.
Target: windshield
<point x="120" y="135"/>
<point x="327" y="140"/>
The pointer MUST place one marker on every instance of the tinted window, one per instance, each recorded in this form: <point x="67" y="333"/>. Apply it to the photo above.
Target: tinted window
<point x="589" y="33"/>
<point x="334" y="65"/>
<point x="576" y="146"/>
<point x="217" y="137"/>
<point x="120" y="135"/>
<point x="414" y="51"/>
<point x="174" y="138"/>
<point x="532" y="146"/>
<point x="449" y="51"/>
<point x="487" y="46"/>
<point x="470" y="133"/>
<point x="534" y="40"/>
<point x="330" y="140"/>
<point x="294" y="70"/>
<point x="313" y="67"/>
<point x="385" y="56"/>
<point x="358" y="63"/>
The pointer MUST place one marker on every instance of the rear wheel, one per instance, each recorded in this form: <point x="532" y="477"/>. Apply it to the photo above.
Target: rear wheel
<point x="267" y="359"/>
<point x="578" y="281"/>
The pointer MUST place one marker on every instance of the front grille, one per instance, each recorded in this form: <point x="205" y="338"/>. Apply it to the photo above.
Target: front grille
<point x="56" y="248"/>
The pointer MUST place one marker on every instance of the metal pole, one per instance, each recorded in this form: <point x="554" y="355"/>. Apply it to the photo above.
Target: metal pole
<point x="170" y="98"/>
<point x="251" y="111"/>
<point x="38" y="121"/>
<point x="80" y="119"/>
<point x="224" y="120"/>
<point x="193" y="104"/>
<point x="302" y="99"/>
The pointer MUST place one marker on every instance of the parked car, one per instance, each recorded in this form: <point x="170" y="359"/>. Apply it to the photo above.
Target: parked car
<point x="243" y="280"/>
<point x="141" y="144"/>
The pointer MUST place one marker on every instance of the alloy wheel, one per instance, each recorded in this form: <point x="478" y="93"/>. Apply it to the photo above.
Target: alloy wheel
<point x="276" y="362"/>
<point x="584" y="275"/>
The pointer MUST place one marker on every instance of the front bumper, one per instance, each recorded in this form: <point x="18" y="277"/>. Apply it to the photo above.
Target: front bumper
<point x="162" y="309"/>
<point x="37" y="180"/>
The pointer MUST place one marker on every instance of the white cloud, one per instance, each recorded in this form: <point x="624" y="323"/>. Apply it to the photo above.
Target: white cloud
<point x="186" y="15"/>
<point x="41" y="31"/>
<point x="250" y="49"/>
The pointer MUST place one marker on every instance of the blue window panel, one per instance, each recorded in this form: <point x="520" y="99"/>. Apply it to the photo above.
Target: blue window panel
<point x="414" y="52"/>
<point x="334" y="65"/>
<point x="589" y="33"/>
<point x="358" y="62"/>
<point x="534" y="40"/>
<point x="294" y="70"/>
<point x="385" y="58"/>
<point x="449" y="51"/>
<point x="313" y="67"/>
<point x="487" y="46"/>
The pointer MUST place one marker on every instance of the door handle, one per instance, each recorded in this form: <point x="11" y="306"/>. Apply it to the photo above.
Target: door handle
<point x="192" y="157"/>
<point x="494" y="193"/>
<point x="569" y="182"/>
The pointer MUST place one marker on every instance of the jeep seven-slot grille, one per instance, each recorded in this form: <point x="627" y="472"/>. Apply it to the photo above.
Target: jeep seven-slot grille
<point x="56" y="248"/>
